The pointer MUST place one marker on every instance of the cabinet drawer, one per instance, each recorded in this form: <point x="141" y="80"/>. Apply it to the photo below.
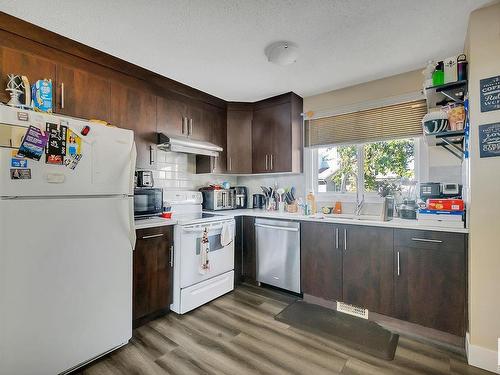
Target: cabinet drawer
<point x="163" y="231"/>
<point x="431" y="240"/>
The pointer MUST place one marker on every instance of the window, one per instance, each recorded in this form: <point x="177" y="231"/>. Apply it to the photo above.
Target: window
<point x="383" y="163"/>
<point x="337" y="169"/>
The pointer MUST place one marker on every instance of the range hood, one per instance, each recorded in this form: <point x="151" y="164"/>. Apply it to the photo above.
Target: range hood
<point x="187" y="146"/>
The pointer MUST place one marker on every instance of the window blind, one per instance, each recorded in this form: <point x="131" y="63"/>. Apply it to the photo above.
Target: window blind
<point x="377" y="124"/>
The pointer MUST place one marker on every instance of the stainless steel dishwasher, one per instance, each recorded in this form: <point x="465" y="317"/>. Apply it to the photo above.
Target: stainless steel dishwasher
<point x="278" y="253"/>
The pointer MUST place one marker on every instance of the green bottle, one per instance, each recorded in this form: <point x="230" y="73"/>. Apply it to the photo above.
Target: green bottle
<point x="438" y="75"/>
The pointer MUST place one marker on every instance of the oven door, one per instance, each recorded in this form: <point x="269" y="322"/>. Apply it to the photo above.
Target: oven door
<point x="148" y="202"/>
<point x="221" y="258"/>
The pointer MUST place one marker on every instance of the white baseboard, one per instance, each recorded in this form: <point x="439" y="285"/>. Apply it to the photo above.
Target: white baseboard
<point x="478" y="356"/>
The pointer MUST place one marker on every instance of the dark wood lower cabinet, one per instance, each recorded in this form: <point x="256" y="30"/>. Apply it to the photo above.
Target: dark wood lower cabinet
<point x="249" y="255"/>
<point x="368" y="267"/>
<point x="430" y="281"/>
<point x="417" y="276"/>
<point x="152" y="273"/>
<point x="321" y="260"/>
<point x="238" y="250"/>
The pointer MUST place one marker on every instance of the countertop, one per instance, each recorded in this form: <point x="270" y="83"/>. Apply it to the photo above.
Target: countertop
<point x="395" y="223"/>
<point x="153" y="222"/>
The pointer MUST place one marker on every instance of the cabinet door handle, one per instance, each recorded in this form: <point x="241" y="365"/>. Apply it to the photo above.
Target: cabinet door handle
<point x="152" y="236"/>
<point x="426" y="240"/>
<point x="62" y="95"/>
<point x="172" y="256"/>
<point x="183" y="125"/>
<point x="230" y="163"/>
<point x="398" y="264"/>
<point x="271" y="161"/>
<point x="345" y="239"/>
<point x="151" y="155"/>
<point x="266" y="162"/>
<point x="190" y="130"/>
<point x="336" y="238"/>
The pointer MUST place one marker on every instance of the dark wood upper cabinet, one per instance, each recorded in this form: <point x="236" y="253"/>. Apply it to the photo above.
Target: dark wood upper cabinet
<point x="321" y="260"/>
<point x="430" y="279"/>
<point x="218" y="124"/>
<point x="239" y="138"/>
<point x="82" y="94"/>
<point x="368" y="267"/>
<point x="215" y="120"/>
<point x="277" y="135"/>
<point x="94" y="85"/>
<point x="152" y="272"/>
<point x="171" y="116"/>
<point x="262" y="140"/>
<point x="14" y="61"/>
<point x="199" y="123"/>
<point x="135" y="109"/>
<point x="179" y="116"/>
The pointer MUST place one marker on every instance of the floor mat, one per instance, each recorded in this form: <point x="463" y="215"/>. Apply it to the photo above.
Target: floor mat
<point x="357" y="333"/>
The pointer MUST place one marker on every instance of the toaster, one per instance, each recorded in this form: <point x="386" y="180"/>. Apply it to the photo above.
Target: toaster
<point x="219" y="199"/>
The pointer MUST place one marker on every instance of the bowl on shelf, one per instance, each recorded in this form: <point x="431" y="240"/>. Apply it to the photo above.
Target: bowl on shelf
<point x="435" y="122"/>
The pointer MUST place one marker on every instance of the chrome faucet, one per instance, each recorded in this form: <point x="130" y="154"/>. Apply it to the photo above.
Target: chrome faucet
<point x="359" y="204"/>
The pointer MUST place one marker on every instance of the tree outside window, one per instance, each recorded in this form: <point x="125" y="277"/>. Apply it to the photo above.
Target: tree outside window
<point x="384" y="163"/>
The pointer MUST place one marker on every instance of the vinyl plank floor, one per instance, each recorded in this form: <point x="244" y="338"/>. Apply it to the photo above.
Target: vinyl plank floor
<point x="237" y="335"/>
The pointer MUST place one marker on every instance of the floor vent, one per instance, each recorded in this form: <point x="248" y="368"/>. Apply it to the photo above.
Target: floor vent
<point x="352" y="310"/>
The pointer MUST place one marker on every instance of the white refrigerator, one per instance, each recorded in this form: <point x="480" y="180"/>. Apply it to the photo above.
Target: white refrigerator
<point x="66" y="242"/>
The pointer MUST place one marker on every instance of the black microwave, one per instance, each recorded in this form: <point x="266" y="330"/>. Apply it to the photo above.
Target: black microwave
<point x="148" y="202"/>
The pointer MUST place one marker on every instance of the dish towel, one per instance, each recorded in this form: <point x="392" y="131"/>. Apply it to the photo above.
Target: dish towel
<point x="204" y="250"/>
<point x="226" y="235"/>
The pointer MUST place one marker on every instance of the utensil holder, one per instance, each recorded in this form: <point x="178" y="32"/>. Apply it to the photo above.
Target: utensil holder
<point x="292" y="207"/>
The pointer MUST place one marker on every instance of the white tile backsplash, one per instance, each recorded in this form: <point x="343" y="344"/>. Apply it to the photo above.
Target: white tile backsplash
<point x="177" y="171"/>
<point x="253" y="183"/>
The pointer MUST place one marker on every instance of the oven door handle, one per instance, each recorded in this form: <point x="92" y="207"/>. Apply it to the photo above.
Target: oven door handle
<point x="198" y="230"/>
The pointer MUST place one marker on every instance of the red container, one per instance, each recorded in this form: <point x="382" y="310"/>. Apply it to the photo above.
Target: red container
<point x="445" y="204"/>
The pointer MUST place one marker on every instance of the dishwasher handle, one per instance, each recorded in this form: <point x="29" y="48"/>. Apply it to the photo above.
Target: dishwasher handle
<point x="278" y="228"/>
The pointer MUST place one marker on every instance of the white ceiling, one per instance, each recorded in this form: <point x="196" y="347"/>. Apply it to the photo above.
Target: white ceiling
<point x="218" y="46"/>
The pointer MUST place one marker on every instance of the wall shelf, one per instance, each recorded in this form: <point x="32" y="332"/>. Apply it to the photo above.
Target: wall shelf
<point x="451" y="141"/>
<point x="453" y="92"/>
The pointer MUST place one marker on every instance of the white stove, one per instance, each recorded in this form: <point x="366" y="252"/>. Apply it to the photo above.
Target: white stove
<point x="193" y="288"/>
<point x="186" y="207"/>
<point x="197" y="218"/>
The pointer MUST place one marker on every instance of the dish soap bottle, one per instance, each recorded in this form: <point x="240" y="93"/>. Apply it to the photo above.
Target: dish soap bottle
<point x="312" y="202"/>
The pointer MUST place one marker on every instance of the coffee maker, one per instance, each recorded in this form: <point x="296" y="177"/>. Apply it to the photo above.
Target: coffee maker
<point x="241" y="196"/>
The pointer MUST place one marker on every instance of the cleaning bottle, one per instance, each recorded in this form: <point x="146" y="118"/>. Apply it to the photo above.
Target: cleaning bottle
<point x="438" y="75"/>
<point x="312" y="202"/>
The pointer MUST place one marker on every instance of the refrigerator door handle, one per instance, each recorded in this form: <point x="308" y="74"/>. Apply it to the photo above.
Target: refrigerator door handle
<point x="133" y="158"/>
<point x="132" y="235"/>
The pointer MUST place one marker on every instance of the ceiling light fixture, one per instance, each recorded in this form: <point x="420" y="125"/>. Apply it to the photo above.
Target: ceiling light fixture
<point x="282" y="53"/>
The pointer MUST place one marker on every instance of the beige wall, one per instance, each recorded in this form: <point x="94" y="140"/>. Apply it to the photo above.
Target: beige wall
<point x="483" y="46"/>
<point x="405" y="83"/>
